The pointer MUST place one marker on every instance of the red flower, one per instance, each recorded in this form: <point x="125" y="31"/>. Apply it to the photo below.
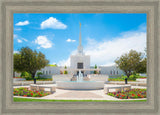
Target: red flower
<point x="117" y="95"/>
<point x="122" y="95"/>
<point x="24" y="95"/>
<point x="32" y="94"/>
<point x="139" y="95"/>
<point x="133" y="95"/>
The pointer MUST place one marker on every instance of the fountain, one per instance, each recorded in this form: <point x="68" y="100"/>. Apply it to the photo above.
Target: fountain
<point x="80" y="76"/>
<point x="80" y="62"/>
<point x="80" y="84"/>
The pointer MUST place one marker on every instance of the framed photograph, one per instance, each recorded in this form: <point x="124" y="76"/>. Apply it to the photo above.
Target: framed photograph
<point x="79" y="57"/>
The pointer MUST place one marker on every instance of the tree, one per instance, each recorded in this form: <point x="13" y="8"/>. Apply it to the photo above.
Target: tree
<point x="142" y="67"/>
<point x="130" y="62"/>
<point x="29" y="61"/>
<point x="95" y="67"/>
<point x="26" y="75"/>
<point x="65" y="72"/>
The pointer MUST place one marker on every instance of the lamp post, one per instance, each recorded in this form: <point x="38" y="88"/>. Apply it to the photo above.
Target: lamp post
<point x="34" y="80"/>
<point x="125" y="80"/>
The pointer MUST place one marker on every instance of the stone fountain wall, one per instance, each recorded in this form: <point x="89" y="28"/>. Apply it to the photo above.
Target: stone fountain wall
<point x="66" y="77"/>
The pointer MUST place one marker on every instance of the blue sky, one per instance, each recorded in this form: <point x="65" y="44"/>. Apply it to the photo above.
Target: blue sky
<point x="104" y="36"/>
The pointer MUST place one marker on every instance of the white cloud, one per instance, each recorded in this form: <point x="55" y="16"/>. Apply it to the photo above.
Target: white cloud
<point x="22" y="23"/>
<point x="19" y="41"/>
<point x="104" y="53"/>
<point x="43" y="42"/>
<point x="24" y="39"/>
<point x="15" y="52"/>
<point x="53" y="23"/>
<point x="64" y="62"/>
<point x="54" y="63"/>
<point x="38" y="47"/>
<point x="69" y="40"/>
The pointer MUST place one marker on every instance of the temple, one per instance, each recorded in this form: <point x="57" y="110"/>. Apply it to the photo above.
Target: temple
<point x="80" y="60"/>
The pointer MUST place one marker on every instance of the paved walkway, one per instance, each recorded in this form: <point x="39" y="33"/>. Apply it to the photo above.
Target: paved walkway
<point x="79" y="95"/>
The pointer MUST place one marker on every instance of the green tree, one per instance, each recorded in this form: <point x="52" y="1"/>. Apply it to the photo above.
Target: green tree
<point x="16" y="58"/>
<point x="130" y="62"/>
<point x="142" y="66"/>
<point x="29" y="61"/>
<point x="95" y="67"/>
<point x="65" y="72"/>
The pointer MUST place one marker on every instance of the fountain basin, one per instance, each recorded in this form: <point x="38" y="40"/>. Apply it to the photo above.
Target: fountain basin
<point x="80" y="85"/>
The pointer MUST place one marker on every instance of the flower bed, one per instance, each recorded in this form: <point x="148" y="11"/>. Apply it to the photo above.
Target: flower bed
<point x="130" y="94"/>
<point x="28" y="93"/>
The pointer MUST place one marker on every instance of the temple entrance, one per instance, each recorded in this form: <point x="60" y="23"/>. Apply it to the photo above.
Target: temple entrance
<point x="80" y="66"/>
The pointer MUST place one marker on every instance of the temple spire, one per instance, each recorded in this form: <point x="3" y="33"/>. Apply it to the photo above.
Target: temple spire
<point x="80" y="48"/>
<point x="80" y="34"/>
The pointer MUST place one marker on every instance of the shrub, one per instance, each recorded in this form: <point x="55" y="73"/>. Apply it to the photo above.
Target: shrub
<point x="132" y="77"/>
<point x="26" y="75"/>
<point x="65" y="72"/>
<point x="39" y="73"/>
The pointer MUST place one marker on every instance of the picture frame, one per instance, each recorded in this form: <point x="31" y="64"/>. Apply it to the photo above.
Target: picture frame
<point x="150" y="7"/>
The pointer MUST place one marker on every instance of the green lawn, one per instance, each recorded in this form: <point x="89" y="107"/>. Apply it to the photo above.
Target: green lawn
<point x="45" y="100"/>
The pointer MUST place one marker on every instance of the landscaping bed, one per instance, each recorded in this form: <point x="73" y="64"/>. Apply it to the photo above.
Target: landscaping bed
<point x="29" y="93"/>
<point x="129" y="94"/>
<point x="122" y="78"/>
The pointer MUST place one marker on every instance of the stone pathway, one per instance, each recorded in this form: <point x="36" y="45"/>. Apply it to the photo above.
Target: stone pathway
<point x="79" y="95"/>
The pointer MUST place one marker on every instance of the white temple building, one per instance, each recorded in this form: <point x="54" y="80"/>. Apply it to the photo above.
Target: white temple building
<point x="80" y="61"/>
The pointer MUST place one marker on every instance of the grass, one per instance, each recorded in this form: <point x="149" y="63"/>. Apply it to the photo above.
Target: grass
<point x="122" y="78"/>
<point x="41" y="79"/>
<point x="45" y="100"/>
<point x="117" y="79"/>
